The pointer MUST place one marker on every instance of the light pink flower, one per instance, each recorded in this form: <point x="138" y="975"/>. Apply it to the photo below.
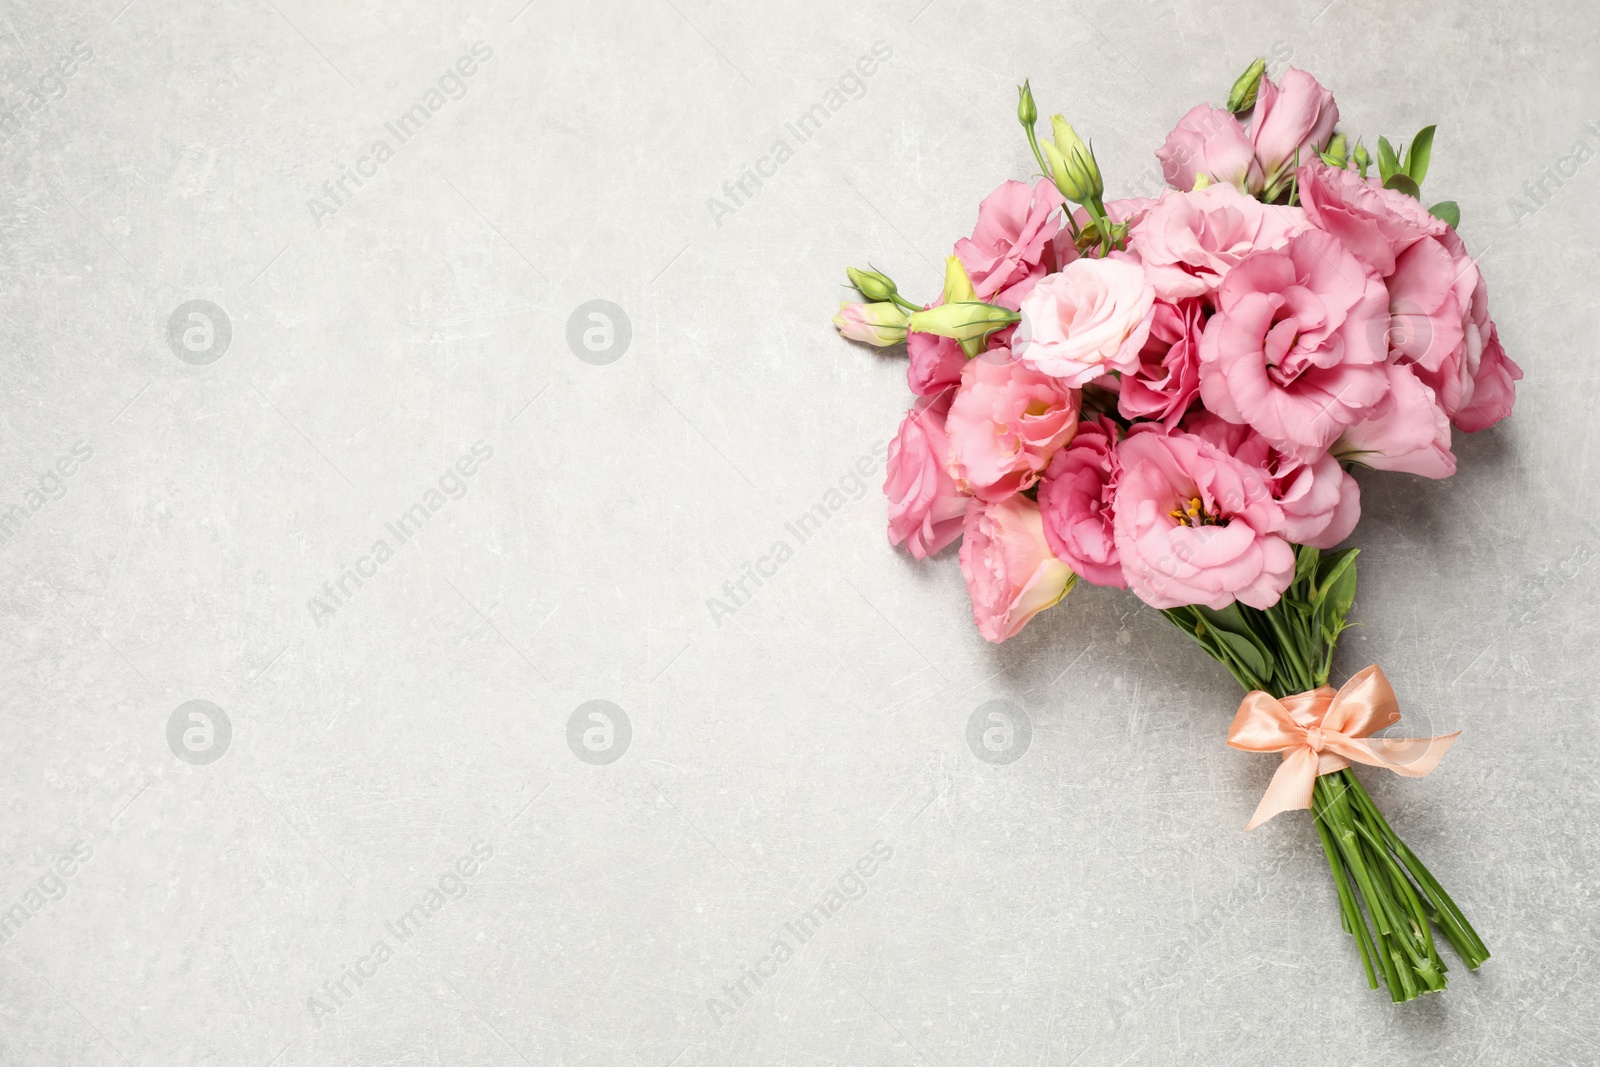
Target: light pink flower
<point x="1291" y="120"/>
<point x="1408" y="431"/>
<point x="1374" y="223"/>
<point x="936" y="363"/>
<point x="1166" y="380"/>
<point x="1475" y="383"/>
<point x="1191" y="530"/>
<point x="926" y="510"/>
<point x="1209" y="141"/>
<point x="1005" y="423"/>
<point x="1006" y="253"/>
<point x="1296" y="346"/>
<point x="1189" y="241"/>
<point x="1011" y="575"/>
<point x="1075" y="499"/>
<point x="1321" y="503"/>
<point x="1089" y="318"/>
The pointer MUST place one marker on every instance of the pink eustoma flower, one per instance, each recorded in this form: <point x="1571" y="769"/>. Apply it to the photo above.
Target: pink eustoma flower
<point x="1011" y="574"/>
<point x="1292" y="121"/>
<point x="1321" y="503"/>
<point x="1296" y="347"/>
<point x="1475" y="384"/>
<point x="1209" y="141"/>
<point x="926" y="510"/>
<point x="1374" y="223"/>
<point x="1005" y="423"/>
<point x="936" y="363"/>
<point x="1408" y="431"/>
<point x="1188" y="242"/>
<point x="1088" y="319"/>
<point x="1193" y="526"/>
<point x="1075" y="499"/>
<point x="1010" y="248"/>
<point x="1166" y="380"/>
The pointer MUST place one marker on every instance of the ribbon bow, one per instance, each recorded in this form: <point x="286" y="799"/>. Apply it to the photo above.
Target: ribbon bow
<point x="1322" y="731"/>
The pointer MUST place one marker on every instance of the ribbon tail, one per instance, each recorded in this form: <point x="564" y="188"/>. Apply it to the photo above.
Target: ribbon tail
<point x="1412" y="757"/>
<point x="1290" y="788"/>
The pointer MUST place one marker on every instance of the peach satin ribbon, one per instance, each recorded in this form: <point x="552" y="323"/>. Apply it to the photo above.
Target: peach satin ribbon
<point x="1322" y="731"/>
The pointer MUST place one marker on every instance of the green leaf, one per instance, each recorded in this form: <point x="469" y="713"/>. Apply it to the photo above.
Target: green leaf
<point x="1402" y="183"/>
<point x="1305" y="563"/>
<point x="1421" y="151"/>
<point x="1330" y="567"/>
<point x="1448" y="212"/>
<point x="1336" y="592"/>
<point x="1230" y="625"/>
<point x="1388" y="162"/>
<point x="1242" y="647"/>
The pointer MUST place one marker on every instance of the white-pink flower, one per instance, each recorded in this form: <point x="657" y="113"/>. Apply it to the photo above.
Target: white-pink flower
<point x="1090" y="318"/>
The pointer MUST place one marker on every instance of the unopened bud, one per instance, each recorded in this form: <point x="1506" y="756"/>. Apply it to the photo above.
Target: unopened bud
<point x="880" y="324"/>
<point x="967" y="320"/>
<point x="1362" y="157"/>
<point x="1072" y="164"/>
<point x="1242" y="97"/>
<point x="1027" y="111"/>
<point x="872" y="284"/>
<point x="1337" y="151"/>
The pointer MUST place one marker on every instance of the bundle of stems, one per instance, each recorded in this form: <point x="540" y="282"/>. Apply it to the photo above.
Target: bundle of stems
<point x="1389" y="902"/>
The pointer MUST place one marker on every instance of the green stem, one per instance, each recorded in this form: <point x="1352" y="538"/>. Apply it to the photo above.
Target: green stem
<point x="1389" y="902"/>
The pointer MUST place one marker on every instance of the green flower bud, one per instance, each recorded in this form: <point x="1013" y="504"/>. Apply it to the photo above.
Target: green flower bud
<point x="968" y="320"/>
<point x="1027" y="112"/>
<point x="1336" y="152"/>
<point x="1242" y="97"/>
<point x="872" y="285"/>
<point x="1072" y="164"/>
<point x="1362" y="157"/>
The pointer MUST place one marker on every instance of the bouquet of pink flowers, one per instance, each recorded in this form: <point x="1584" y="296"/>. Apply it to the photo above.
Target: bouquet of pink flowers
<point x="1167" y="395"/>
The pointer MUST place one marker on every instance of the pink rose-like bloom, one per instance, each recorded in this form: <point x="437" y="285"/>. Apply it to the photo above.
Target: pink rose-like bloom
<point x="1375" y="223"/>
<point x="1005" y="255"/>
<point x="1321" y="503"/>
<point x="1295" y="117"/>
<point x="925" y="508"/>
<point x="1090" y="318"/>
<point x="1408" y="432"/>
<point x="1166" y="379"/>
<point x="1075" y="500"/>
<point x="1209" y="141"/>
<point x="1011" y="575"/>
<point x="1189" y="241"/>
<point x="1475" y="383"/>
<point x="1193" y="526"/>
<point x="1005" y="423"/>
<point x="1296" y="347"/>
<point x="936" y="363"/>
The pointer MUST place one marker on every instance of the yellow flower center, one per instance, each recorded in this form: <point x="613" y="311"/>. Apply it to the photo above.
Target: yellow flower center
<point x="1194" y="514"/>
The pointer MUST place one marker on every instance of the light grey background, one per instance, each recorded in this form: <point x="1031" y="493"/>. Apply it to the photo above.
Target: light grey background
<point x="1093" y="902"/>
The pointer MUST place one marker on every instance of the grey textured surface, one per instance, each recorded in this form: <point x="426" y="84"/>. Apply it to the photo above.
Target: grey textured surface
<point x="1093" y="902"/>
